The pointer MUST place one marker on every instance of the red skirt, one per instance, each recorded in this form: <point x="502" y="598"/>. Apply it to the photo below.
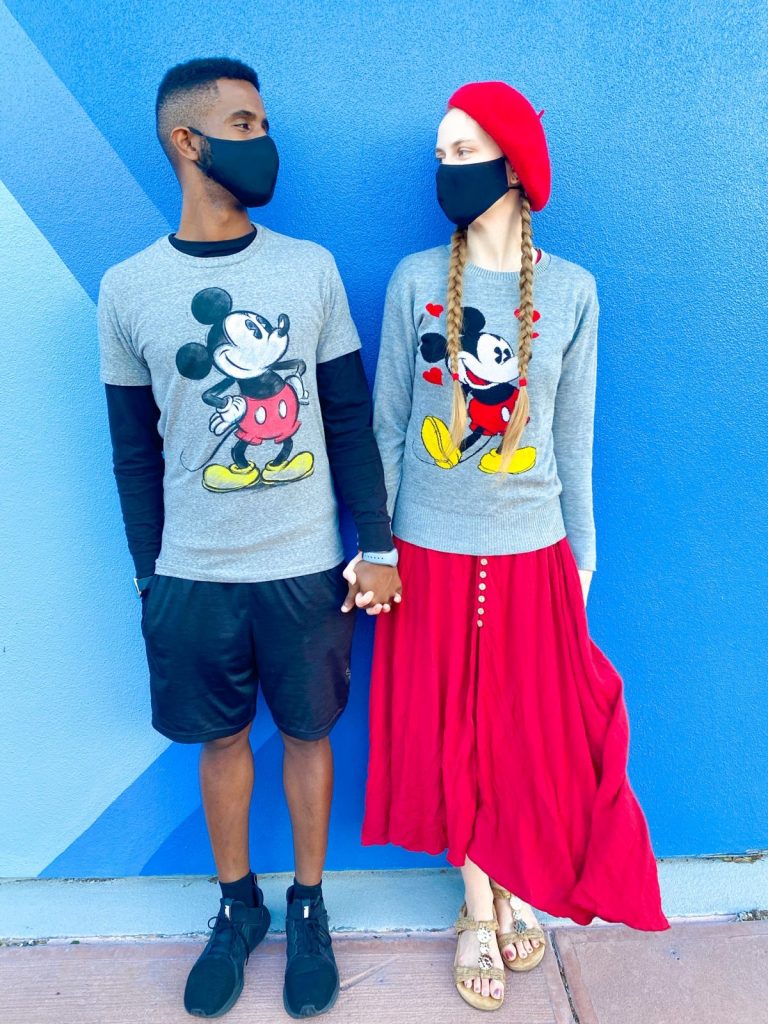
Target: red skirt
<point x="499" y="732"/>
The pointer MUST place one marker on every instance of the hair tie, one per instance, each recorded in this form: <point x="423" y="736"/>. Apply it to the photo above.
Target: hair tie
<point x="523" y="382"/>
<point x="455" y="376"/>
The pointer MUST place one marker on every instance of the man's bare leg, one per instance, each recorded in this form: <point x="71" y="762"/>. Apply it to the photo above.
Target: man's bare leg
<point x="308" y="782"/>
<point x="226" y="782"/>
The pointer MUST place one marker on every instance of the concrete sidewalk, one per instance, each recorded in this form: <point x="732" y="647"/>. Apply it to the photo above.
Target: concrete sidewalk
<point x="699" y="972"/>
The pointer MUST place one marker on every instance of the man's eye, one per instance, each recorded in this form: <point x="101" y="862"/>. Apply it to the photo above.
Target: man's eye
<point x="242" y="124"/>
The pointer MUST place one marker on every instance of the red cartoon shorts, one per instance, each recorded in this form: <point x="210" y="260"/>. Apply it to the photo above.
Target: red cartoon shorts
<point x="270" y="419"/>
<point x="491" y="419"/>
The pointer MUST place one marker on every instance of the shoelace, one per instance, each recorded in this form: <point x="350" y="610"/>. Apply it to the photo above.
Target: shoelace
<point x="225" y="933"/>
<point x="310" y="936"/>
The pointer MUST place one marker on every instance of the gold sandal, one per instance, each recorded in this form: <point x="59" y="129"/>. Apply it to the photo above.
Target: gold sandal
<point x="484" y="968"/>
<point x="521" y="932"/>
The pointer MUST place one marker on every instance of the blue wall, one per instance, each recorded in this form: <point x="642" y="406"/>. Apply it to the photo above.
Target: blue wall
<point x="652" y="116"/>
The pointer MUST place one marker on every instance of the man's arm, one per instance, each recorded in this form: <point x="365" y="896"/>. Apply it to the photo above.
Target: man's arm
<point x="345" y="400"/>
<point x="133" y="417"/>
<point x="137" y="459"/>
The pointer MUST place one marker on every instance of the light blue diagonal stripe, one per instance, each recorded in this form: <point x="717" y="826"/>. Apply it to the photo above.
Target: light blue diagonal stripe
<point x="136" y="824"/>
<point x="108" y="217"/>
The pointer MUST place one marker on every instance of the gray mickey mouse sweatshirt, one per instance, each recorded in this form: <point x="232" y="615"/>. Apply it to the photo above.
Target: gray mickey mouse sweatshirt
<point x="454" y="501"/>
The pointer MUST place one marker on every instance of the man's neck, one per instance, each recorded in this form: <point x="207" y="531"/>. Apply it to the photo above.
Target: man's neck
<point x="204" y="222"/>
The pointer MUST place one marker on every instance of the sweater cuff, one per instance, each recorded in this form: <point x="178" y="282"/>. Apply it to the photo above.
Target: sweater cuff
<point x="144" y="565"/>
<point x="375" y="537"/>
<point x="584" y="552"/>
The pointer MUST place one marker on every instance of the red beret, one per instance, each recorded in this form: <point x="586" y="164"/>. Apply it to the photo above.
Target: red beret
<point x="508" y="117"/>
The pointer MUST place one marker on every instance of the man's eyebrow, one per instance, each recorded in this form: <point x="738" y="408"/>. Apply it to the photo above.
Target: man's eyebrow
<point x="250" y="114"/>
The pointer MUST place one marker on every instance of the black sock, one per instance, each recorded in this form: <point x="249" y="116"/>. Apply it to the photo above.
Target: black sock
<point x="244" y="889"/>
<point x="306" y="892"/>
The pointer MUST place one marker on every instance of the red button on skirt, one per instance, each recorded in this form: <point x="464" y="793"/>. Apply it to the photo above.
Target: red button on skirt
<point x="507" y="742"/>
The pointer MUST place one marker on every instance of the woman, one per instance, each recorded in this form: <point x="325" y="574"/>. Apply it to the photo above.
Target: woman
<point x="498" y="728"/>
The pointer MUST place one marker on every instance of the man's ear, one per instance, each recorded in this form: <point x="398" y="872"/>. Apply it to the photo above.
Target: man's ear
<point x="187" y="145"/>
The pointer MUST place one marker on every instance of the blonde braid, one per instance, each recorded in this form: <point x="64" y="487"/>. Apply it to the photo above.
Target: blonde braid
<point x="454" y="321"/>
<point x="519" y="417"/>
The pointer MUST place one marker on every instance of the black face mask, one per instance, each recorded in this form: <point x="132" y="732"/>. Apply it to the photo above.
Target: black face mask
<point x="247" y="169"/>
<point x="465" y="191"/>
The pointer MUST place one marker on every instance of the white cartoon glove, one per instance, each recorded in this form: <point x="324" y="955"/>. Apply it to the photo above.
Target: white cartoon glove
<point x="230" y="413"/>
<point x="297" y="383"/>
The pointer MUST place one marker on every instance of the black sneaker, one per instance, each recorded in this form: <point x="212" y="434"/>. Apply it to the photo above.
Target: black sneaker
<point x="216" y="979"/>
<point x="311" y="976"/>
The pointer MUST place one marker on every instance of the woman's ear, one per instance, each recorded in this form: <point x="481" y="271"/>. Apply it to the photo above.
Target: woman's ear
<point x="512" y="178"/>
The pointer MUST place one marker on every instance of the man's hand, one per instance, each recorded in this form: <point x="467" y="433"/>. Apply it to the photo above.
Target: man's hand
<point x="373" y="587"/>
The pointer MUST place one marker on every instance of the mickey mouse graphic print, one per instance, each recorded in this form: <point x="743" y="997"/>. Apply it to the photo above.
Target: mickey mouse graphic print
<point x="247" y="351"/>
<point x="230" y="347"/>
<point x="456" y="498"/>
<point x="489" y="376"/>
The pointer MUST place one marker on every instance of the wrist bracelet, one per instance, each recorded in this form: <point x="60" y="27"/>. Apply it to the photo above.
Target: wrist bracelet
<point x="380" y="557"/>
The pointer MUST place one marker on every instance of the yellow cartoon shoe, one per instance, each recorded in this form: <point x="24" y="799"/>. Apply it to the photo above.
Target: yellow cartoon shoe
<point x="523" y="460"/>
<point x="437" y="440"/>
<point x="297" y="468"/>
<point x="230" y="478"/>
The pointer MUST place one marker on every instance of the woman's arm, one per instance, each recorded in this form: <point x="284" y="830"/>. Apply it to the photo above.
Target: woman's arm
<point x="393" y="389"/>
<point x="573" y="433"/>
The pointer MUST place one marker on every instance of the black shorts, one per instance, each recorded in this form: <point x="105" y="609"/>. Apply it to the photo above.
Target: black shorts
<point x="211" y="645"/>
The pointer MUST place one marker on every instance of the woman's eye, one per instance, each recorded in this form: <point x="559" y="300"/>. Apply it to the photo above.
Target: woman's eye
<point x="242" y="124"/>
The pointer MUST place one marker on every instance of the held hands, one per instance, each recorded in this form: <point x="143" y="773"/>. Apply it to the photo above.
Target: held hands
<point x="373" y="587"/>
<point x="232" y="411"/>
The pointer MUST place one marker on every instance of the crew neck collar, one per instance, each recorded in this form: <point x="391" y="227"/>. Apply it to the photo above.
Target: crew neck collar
<point x="171" y="252"/>
<point x="508" y="275"/>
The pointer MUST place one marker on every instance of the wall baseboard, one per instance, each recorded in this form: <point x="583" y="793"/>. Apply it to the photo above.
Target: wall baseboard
<point x="358" y="901"/>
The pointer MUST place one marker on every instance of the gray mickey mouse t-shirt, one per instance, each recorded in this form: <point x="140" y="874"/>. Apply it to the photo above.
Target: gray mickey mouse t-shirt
<point x="230" y="346"/>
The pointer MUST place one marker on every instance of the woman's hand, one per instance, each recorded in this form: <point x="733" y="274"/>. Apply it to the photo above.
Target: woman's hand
<point x="373" y="587"/>
<point x="585" y="576"/>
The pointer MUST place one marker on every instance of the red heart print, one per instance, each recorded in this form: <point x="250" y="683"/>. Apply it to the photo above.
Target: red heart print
<point x="434" y="308"/>
<point x="536" y="316"/>
<point x="433" y="376"/>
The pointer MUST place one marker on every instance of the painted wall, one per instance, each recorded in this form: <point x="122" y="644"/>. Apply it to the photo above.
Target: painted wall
<point x="653" y="116"/>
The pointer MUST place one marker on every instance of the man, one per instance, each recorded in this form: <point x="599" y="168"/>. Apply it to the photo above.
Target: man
<point x="235" y="390"/>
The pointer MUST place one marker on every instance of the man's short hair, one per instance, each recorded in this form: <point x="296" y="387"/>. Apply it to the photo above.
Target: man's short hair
<point x="188" y="91"/>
